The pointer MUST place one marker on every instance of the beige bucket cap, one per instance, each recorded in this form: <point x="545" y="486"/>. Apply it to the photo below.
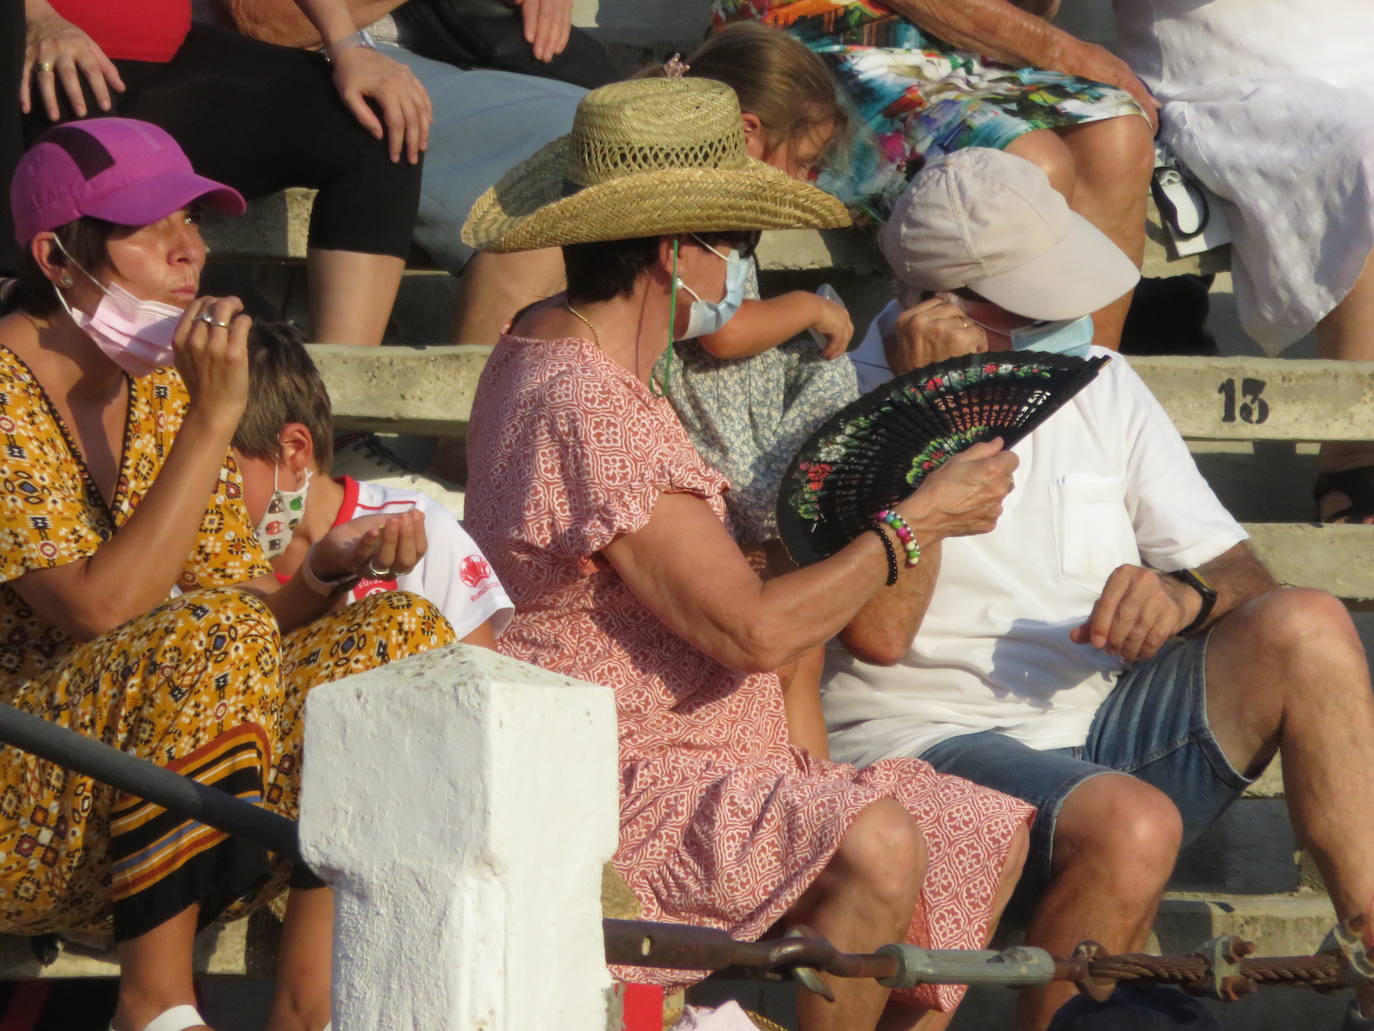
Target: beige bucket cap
<point x="991" y="221"/>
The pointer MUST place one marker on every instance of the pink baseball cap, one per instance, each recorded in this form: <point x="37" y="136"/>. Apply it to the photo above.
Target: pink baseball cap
<point x="117" y="169"/>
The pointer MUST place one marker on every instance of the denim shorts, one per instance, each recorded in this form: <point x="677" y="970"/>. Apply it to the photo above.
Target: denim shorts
<point x="1153" y="725"/>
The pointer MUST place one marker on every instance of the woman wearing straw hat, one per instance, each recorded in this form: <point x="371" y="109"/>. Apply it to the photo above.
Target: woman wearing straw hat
<point x="608" y="529"/>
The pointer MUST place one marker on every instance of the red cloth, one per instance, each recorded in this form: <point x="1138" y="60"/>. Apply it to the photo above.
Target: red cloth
<point x="149" y="30"/>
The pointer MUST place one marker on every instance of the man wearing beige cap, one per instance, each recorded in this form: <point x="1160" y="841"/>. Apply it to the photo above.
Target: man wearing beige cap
<point x="1112" y="652"/>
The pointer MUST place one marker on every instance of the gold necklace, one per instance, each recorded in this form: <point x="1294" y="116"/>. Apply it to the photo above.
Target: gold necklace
<point x="586" y="322"/>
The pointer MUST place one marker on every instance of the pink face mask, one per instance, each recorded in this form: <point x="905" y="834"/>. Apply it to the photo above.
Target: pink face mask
<point x="136" y="335"/>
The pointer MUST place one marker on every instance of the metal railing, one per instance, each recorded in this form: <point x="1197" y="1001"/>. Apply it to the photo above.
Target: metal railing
<point x="1222" y="968"/>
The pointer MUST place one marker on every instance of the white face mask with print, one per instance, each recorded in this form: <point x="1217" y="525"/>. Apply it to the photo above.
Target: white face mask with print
<point x="284" y="513"/>
<point x="136" y="335"/>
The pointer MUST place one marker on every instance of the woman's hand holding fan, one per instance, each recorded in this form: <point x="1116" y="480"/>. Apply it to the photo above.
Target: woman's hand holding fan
<point x="963" y="497"/>
<point x="875" y="452"/>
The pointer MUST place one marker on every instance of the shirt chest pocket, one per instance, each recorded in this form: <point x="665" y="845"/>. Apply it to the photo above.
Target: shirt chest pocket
<point x="1093" y="533"/>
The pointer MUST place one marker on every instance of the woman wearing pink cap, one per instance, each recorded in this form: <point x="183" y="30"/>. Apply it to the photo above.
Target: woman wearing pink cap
<point x="124" y="534"/>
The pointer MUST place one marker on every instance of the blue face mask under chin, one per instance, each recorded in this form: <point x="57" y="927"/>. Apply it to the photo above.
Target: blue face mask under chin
<point x="707" y="317"/>
<point x="1068" y="336"/>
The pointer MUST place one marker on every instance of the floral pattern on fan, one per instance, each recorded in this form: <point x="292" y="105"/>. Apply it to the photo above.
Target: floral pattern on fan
<point x="876" y="451"/>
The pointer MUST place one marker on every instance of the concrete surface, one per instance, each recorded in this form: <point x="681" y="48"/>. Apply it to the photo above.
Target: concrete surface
<point x="461" y="805"/>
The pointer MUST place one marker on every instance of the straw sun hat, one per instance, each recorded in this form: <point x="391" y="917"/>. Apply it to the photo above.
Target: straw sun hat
<point x="647" y="157"/>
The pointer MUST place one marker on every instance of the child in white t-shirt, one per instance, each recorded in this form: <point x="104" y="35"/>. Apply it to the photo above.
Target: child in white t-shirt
<point x="284" y="447"/>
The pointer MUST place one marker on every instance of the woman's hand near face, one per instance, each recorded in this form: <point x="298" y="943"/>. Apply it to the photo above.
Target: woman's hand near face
<point x="56" y="52"/>
<point x="211" y="349"/>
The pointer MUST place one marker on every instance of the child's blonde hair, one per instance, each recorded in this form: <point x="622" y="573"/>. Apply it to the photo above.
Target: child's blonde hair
<point x="777" y="79"/>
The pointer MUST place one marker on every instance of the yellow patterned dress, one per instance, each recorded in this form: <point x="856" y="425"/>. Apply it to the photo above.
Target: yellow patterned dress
<point x="204" y="684"/>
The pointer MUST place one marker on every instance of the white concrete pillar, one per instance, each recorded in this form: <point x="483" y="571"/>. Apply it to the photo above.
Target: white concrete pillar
<point x="461" y="805"/>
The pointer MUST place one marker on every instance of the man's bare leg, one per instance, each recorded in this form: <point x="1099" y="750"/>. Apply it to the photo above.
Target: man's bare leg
<point x="1286" y="671"/>
<point x="1115" y="843"/>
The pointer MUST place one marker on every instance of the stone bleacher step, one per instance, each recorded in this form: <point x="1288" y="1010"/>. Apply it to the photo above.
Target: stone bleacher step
<point x="1240" y="402"/>
<point x="276" y="228"/>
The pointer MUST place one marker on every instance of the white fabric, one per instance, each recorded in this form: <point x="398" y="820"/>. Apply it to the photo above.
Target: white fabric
<point x="1106" y="481"/>
<point x="1271" y="104"/>
<point x="453" y="574"/>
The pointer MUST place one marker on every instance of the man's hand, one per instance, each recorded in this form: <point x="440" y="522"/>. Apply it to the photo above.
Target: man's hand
<point x="931" y="332"/>
<point x="548" y="24"/>
<point x="360" y="74"/>
<point x="1138" y="611"/>
<point x="57" y="51"/>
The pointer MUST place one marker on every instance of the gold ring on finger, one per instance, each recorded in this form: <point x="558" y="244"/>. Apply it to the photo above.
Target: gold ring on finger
<point x="45" y="66"/>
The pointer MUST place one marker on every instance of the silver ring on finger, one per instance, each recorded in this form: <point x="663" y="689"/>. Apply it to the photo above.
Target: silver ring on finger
<point x="378" y="574"/>
<point x="210" y="320"/>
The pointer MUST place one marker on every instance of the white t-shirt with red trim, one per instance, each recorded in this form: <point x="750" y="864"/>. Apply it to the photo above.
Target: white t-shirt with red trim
<point x="453" y="574"/>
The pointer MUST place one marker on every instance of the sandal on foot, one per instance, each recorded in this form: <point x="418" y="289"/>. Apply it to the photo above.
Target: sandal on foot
<point x="1356" y="484"/>
<point x="178" y="1018"/>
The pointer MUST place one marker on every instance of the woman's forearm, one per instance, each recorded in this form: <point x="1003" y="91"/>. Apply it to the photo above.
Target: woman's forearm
<point x="136" y="568"/>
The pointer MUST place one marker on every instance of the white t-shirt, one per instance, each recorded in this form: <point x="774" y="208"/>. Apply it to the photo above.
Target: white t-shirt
<point x="453" y="574"/>
<point x="1105" y="481"/>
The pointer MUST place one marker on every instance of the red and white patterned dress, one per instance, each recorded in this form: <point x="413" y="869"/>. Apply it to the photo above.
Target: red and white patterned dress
<point x="722" y="822"/>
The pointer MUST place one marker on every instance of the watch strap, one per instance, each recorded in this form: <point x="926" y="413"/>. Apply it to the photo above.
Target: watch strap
<point x="1205" y="591"/>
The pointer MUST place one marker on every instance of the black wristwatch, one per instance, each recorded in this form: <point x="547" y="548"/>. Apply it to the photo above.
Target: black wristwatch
<point x="1205" y="590"/>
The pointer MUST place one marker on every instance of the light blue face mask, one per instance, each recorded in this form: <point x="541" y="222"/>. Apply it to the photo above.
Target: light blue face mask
<point x="707" y="317"/>
<point x="1069" y="336"/>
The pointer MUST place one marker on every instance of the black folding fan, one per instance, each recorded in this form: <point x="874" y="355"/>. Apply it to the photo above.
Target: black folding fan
<point x="877" y="450"/>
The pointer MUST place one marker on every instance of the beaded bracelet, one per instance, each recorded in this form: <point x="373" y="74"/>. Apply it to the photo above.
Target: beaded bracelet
<point x="904" y="534"/>
<point x="877" y="528"/>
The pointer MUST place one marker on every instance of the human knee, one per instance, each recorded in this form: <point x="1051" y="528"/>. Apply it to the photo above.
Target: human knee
<point x="412" y="622"/>
<point x="1121" y="827"/>
<point x="884" y="852"/>
<point x="1292" y="625"/>
<point x="1121" y="151"/>
<point x="1048" y="152"/>
<point x="214" y="620"/>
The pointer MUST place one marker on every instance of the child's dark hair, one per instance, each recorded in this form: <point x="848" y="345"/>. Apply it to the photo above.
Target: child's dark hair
<point x="86" y="241"/>
<point x="283" y="386"/>
<point x="777" y="78"/>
